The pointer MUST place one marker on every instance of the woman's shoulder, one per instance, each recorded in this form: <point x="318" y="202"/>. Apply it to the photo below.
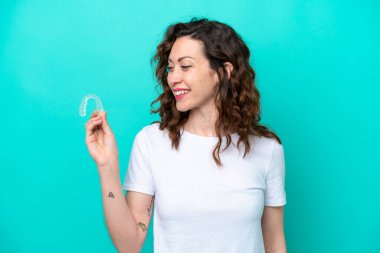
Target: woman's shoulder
<point x="152" y="128"/>
<point x="151" y="131"/>
<point x="267" y="144"/>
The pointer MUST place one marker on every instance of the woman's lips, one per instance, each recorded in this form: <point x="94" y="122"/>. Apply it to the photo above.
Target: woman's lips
<point x="181" y="96"/>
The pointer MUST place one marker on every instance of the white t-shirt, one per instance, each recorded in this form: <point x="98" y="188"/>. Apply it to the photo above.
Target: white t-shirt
<point x="199" y="207"/>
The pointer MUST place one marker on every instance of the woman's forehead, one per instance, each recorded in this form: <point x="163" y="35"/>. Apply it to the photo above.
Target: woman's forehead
<point x="186" y="48"/>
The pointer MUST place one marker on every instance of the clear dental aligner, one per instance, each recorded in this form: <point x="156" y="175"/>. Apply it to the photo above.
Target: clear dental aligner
<point x="83" y="104"/>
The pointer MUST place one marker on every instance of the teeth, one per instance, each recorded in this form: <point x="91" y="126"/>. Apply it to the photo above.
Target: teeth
<point x="181" y="92"/>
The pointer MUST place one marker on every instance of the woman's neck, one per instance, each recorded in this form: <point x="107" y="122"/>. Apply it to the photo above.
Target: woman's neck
<point x="202" y="123"/>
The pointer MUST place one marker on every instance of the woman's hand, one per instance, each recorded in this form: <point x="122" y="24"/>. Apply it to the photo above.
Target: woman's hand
<point x="101" y="142"/>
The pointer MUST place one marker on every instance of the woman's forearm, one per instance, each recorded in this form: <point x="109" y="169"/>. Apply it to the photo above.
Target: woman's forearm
<point x="118" y="216"/>
<point x="279" y="248"/>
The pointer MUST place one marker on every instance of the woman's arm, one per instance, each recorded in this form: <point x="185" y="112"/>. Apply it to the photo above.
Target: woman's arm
<point x="272" y="224"/>
<point x="118" y="216"/>
<point x="127" y="218"/>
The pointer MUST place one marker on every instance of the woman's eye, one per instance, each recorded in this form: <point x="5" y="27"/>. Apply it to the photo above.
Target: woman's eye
<point x="168" y="69"/>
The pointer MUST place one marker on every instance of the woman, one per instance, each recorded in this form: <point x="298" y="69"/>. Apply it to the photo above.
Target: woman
<point x="208" y="195"/>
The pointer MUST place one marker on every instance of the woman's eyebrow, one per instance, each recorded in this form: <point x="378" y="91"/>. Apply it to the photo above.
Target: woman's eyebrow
<point x="180" y="59"/>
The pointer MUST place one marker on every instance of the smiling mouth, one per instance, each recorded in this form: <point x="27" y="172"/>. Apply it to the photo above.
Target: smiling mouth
<point x="178" y="93"/>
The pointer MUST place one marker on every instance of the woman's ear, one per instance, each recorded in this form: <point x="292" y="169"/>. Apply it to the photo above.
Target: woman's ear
<point x="229" y="68"/>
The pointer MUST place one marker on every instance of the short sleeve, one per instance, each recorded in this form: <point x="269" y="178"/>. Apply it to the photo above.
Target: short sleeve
<point x="275" y="181"/>
<point x="139" y="175"/>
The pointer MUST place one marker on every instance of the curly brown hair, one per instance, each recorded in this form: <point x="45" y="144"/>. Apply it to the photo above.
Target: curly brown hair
<point x="237" y="99"/>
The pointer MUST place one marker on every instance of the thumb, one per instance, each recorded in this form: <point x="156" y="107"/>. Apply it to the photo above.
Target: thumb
<point x="105" y="125"/>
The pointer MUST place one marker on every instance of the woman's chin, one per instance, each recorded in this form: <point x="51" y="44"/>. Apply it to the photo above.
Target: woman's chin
<point x="182" y="108"/>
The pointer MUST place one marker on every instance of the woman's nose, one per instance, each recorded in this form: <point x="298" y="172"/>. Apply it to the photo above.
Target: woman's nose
<point x="174" y="76"/>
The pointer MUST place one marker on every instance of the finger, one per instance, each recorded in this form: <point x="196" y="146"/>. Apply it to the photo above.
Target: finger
<point x="92" y="119"/>
<point x="91" y="123"/>
<point x="105" y="125"/>
<point x="92" y="129"/>
<point x="91" y="126"/>
<point x="95" y="113"/>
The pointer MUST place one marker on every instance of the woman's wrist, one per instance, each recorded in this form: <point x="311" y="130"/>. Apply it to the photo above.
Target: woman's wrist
<point x="109" y="169"/>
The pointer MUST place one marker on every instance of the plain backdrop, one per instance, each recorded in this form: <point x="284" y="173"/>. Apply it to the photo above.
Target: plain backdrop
<point x="317" y="72"/>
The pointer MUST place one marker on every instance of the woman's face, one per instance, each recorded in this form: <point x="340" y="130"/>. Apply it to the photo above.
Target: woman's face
<point x="189" y="71"/>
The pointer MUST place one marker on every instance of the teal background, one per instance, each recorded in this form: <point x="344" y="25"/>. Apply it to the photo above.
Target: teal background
<point x="317" y="70"/>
